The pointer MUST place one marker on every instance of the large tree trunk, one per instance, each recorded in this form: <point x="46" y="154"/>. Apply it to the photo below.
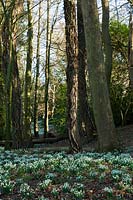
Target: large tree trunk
<point x="98" y="83"/>
<point x="16" y="104"/>
<point x="7" y="69"/>
<point x="27" y="136"/>
<point x="106" y="40"/>
<point x="71" y="72"/>
<point x="16" y="85"/>
<point x="36" y="134"/>
<point x="85" y="123"/>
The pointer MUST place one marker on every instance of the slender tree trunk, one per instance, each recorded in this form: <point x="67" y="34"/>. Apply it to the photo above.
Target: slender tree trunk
<point x="47" y="67"/>
<point x="98" y="83"/>
<point x="85" y="122"/>
<point x="71" y="73"/>
<point x="47" y="72"/>
<point x="36" y="134"/>
<point x="130" y="56"/>
<point x="106" y="40"/>
<point x="53" y="101"/>
<point x="2" y="120"/>
<point x="27" y="99"/>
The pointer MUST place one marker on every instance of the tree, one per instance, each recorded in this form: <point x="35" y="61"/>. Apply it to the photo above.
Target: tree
<point x="37" y="77"/>
<point x="130" y="56"/>
<point x="120" y="93"/>
<point x="85" y="122"/>
<point x="16" y="84"/>
<point x="98" y="83"/>
<point x="71" y="73"/>
<point x="2" y="96"/>
<point x="47" y="71"/>
<point x="7" y="64"/>
<point x="106" y="40"/>
<point x="47" y="65"/>
<point x="9" y="67"/>
<point x="27" y="96"/>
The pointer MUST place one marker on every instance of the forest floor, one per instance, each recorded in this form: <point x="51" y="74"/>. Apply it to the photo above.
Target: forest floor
<point x="48" y="173"/>
<point x="125" y="135"/>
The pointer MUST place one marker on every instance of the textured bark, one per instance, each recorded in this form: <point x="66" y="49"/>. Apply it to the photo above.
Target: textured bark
<point x="98" y="83"/>
<point x="85" y="123"/>
<point x="37" y="77"/>
<point x="27" y="99"/>
<point x="2" y="95"/>
<point x="71" y="72"/>
<point x="13" y="126"/>
<point x="106" y="40"/>
<point x="16" y="85"/>
<point x="16" y="104"/>
<point x="7" y="68"/>
<point x="130" y="56"/>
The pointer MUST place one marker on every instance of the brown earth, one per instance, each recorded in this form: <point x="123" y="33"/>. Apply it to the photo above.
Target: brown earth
<point x="125" y="135"/>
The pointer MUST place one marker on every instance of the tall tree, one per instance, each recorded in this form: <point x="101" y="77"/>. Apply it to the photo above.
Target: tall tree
<point x="47" y="64"/>
<point x="37" y="76"/>
<point x="106" y="40"/>
<point x="98" y="83"/>
<point x="71" y="73"/>
<point x="16" y="85"/>
<point x="84" y="122"/>
<point x="27" y="98"/>
<point x="2" y="104"/>
<point x="7" y="64"/>
<point x="130" y="48"/>
<point x="47" y="71"/>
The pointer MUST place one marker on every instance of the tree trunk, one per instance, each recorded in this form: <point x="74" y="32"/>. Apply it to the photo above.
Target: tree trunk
<point x="106" y="40"/>
<point x="16" y="85"/>
<point x="7" y="71"/>
<point x="2" y="95"/>
<point x="36" y="134"/>
<point x="53" y="90"/>
<point x="47" y="67"/>
<point x="47" y="73"/>
<point x="85" y="122"/>
<point x="27" y="136"/>
<point x="98" y="83"/>
<point x="130" y="56"/>
<point x="71" y="73"/>
<point x="16" y="104"/>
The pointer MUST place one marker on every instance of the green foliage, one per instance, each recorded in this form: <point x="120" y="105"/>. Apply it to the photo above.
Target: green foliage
<point x="122" y="105"/>
<point x="58" y="175"/>
<point x="121" y="96"/>
<point x="26" y="191"/>
<point x="119" y="37"/>
<point x="59" y="118"/>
